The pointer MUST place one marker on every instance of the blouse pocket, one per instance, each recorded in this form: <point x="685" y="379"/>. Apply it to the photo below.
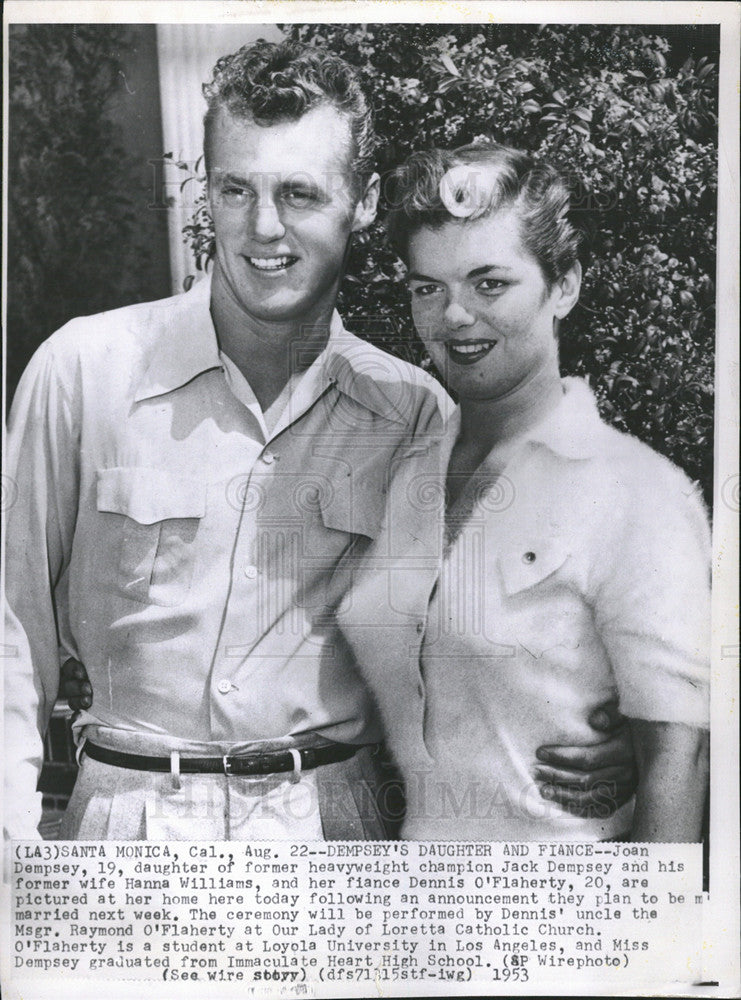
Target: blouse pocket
<point x="153" y="518"/>
<point x="527" y="563"/>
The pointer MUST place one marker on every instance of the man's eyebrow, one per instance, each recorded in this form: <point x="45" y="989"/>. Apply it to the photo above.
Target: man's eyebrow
<point x="230" y="178"/>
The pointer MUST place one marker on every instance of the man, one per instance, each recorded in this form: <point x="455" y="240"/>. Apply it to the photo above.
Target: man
<point x="194" y="478"/>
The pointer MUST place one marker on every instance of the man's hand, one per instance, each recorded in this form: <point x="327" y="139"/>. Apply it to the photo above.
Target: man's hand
<point x="593" y="780"/>
<point x="75" y="685"/>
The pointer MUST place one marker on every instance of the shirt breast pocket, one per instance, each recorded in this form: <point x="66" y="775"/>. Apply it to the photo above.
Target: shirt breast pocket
<point x="538" y="612"/>
<point x="153" y="519"/>
<point x="354" y="511"/>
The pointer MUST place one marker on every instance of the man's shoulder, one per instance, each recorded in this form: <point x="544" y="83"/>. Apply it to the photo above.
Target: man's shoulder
<point x="115" y="329"/>
<point x="392" y="387"/>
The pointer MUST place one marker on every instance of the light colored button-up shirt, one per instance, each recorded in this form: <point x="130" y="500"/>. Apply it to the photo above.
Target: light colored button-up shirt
<point x="578" y="575"/>
<point x="182" y="544"/>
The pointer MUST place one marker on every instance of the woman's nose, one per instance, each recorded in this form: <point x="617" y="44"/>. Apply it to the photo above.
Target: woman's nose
<point x="457" y="316"/>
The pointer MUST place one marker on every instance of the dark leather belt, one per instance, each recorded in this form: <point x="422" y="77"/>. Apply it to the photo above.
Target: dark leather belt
<point x="268" y="762"/>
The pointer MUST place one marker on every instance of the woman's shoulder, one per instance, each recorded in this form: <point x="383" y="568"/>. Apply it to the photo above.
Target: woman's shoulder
<point x="638" y="467"/>
<point x="622" y="460"/>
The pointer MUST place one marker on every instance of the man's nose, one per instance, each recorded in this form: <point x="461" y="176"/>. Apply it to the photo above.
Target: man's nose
<point x="266" y="222"/>
<point x="457" y="316"/>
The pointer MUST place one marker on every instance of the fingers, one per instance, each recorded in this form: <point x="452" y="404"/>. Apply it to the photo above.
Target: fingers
<point x="571" y="780"/>
<point x="617" y="750"/>
<point x="75" y="686"/>
<point x="606" y="717"/>
<point x="599" y="802"/>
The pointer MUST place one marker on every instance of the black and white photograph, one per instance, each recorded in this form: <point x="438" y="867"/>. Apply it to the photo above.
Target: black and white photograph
<point x="369" y="498"/>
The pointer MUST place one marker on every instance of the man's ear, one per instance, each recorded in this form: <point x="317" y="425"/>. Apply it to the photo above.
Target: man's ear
<point x="366" y="208"/>
<point x="568" y="286"/>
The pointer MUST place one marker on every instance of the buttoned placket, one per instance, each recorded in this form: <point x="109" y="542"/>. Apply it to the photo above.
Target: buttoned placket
<point x="243" y="623"/>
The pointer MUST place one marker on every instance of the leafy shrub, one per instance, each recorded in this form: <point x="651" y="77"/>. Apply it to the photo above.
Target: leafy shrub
<point x="632" y="117"/>
<point x="70" y="216"/>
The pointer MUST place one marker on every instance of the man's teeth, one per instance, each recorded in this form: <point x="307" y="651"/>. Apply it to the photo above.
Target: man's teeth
<point x="484" y="345"/>
<point x="271" y="263"/>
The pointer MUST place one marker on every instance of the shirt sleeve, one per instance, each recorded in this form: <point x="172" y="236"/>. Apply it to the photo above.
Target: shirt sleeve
<point x="652" y="603"/>
<point x="41" y="470"/>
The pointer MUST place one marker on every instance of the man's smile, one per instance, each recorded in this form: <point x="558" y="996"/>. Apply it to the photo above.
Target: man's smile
<point x="278" y="263"/>
<point x="468" y="352"/>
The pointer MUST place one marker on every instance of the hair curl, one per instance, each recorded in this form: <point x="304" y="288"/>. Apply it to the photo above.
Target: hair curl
<point x="271" y="82"/>
<point x="537" y="190"/>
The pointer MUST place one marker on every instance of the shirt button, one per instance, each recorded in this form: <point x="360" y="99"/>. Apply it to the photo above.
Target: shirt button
<point x="529" y="557"/>
<point x="268" y="457"/>
<point x="250" y="572"/>
<point x="420" y="628"/>
<point x="224" y="687"/>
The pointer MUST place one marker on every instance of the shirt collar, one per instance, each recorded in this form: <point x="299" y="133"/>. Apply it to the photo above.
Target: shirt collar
<point x="185" y="345"/>
<point x="574" y="429"/>
<point x="371" y="377"/>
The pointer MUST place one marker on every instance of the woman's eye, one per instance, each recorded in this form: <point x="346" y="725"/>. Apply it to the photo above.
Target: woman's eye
<point x="424" y="291"/>
<point x="491" y="285"/>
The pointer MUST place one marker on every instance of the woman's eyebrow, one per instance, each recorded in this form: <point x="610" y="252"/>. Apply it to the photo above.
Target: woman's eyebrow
<point x="488" y="267"/>
<point x="416" y="276"/>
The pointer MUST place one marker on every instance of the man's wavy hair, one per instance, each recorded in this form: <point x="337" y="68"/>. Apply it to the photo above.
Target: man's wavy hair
<point x="504" y="176"/>
<point x="271" y="82"/>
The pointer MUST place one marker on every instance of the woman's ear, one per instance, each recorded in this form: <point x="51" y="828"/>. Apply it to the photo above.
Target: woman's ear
<point x="568" y="286"/>
<point x="366" y="208"/>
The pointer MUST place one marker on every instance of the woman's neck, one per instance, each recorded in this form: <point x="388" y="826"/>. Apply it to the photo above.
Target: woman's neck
<point x="487" y="423"/>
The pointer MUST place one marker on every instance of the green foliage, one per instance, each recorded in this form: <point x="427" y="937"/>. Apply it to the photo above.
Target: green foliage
<point x="632" y="117"/>
<point x="70" y="218"/>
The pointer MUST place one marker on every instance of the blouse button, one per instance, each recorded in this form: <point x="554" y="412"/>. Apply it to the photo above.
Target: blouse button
<point x="529" y="557"/>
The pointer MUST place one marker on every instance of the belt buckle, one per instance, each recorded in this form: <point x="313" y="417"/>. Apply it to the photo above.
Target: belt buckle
<point x="296" y="770"/>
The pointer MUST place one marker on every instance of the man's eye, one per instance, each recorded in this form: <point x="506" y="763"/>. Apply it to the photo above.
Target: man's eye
<point x="235" y="197"/>
<point x="300" y="197"/>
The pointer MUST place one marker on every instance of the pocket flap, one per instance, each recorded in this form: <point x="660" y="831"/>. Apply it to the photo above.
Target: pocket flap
<point x="528" y="562"/>
<point x="357" y="510"/>
<point x="150" y="495"/>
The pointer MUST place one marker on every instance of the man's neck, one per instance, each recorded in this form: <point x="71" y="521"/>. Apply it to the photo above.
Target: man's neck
<point x="267" y="353"/>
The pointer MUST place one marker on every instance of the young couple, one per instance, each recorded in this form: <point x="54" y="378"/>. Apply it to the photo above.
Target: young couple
<point x="227" y="514"/>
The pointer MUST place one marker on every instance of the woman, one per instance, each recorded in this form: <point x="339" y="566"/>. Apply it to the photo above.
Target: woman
<point x="566" y="563"/>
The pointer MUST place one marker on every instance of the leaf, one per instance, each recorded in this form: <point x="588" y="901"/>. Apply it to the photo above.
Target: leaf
<point x="636" y="74"/>
<point x="448" y="64"/>
<point x="530" y="107"/>
<point x="581" y="129"/>
<point x="584" y="113"/>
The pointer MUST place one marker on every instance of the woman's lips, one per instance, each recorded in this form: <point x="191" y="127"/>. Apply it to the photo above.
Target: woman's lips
<point x="468" y="352"/>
